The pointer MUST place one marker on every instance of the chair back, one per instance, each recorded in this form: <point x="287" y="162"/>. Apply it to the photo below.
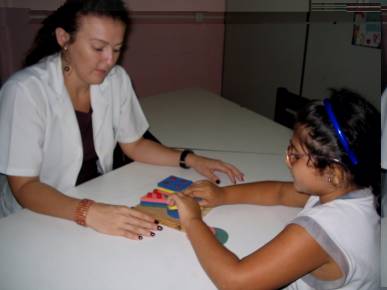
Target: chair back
<point x="286" y="107"/>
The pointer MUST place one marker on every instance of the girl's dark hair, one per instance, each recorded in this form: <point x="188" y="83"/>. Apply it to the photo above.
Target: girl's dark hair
<point x="67" y="17"/>
<point x="360" y="123"/>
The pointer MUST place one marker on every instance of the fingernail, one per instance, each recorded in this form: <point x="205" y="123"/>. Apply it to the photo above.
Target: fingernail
<point x="140" y="237"/>
<point x="217" y="181"/>
<point x="157" y="222"/>
<point x="152" y="234"/>
<point x="159" y="228"/>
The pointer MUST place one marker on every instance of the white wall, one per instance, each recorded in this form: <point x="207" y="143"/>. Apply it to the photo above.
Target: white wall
<point x="267" y="6"/>
<point x="346" y="1"/>
<point x="264" y="51"/>
<point x="333" y="61"/>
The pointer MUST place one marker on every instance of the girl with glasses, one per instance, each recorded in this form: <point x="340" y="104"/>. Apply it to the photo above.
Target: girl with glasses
<point x="333" y="243"/>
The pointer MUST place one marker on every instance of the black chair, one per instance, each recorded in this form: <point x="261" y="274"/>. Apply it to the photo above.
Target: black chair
<point x="120" y="159"/>
<point x="286" y="107"/>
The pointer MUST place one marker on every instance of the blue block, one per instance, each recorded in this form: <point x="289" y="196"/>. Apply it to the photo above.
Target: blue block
<point x="174" y="183"/>
<point x="173" y="213"/>
<point x="153" y="204"/>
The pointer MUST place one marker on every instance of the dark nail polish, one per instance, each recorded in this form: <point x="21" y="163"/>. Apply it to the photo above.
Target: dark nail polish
<point x="157" y="222"/>
<point x="140" y="237"/>
<point x="159" y="228"/>
<point x="152" y="234"/>
<point x="217" y="181"/>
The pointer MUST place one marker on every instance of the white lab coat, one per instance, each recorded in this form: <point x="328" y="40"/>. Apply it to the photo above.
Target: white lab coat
<point x="39" y="132"/>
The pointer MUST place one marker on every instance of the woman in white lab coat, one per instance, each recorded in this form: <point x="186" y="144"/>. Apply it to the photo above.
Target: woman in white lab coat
<point x="62" y="116"/>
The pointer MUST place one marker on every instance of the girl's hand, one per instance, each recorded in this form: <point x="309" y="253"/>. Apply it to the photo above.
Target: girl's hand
<point x="121" y="221"/>
<point x="210" y="194"/>
<point x="207" y="167"/>
<point x="188" y="208"/>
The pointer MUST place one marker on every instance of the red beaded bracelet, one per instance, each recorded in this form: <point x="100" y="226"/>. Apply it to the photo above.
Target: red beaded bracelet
<point x="81" y="211"/>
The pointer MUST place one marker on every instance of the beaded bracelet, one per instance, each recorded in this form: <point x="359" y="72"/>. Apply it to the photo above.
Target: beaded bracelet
<point x="81" y="211"/>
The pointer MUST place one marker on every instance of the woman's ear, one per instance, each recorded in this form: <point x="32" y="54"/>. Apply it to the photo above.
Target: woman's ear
<point x="62" y="37"/>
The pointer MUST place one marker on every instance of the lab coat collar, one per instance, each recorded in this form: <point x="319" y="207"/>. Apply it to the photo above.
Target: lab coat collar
<point x="100" y="105"/>
<point x="99" y="102"/>
<point x="56" y="80"/>
<point x="55" y="75"/>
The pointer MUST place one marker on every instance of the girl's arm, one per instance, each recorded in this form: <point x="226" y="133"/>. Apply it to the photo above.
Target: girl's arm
<point x="289" y="256"/>
<point x="260" y="193"/>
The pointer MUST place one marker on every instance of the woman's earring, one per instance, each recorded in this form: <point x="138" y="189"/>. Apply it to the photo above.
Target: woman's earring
<point x="66" y="65"/>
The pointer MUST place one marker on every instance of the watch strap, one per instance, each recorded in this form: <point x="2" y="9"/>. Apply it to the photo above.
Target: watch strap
<point x="183" y="157"/>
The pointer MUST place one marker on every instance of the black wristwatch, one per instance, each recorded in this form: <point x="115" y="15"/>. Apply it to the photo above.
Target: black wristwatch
<point x="183" y="157"/>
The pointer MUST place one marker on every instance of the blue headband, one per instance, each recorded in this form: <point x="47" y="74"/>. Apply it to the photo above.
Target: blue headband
<point x="339" y="133"/>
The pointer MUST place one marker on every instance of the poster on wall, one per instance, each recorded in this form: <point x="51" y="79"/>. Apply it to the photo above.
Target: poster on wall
<point x="367" y="29"/>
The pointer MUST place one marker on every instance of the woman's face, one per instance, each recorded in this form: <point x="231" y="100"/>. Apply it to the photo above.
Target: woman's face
<point x="95" y="49"/>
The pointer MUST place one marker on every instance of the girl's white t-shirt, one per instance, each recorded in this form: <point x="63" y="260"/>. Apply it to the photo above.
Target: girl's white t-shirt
<point x="348" y="229"/>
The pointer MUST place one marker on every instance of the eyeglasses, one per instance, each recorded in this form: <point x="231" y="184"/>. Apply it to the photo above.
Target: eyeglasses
<point x="292" y="156"/>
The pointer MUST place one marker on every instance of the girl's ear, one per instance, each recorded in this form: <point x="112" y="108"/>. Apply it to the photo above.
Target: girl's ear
<point x="336" y="176"/>
<point x="62" y="37"/>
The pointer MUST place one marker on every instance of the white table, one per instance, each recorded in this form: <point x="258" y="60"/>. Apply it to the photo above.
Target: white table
<point x="41" y="252"/>
<point x="195" y="118"/>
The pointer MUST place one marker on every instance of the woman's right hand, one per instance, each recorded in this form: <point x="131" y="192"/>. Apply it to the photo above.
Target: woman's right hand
<point x="120" y="220"/>
<point x="210" y="194"/>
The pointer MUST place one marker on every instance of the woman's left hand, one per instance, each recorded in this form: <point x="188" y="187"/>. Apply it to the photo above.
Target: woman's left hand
<point x="207" y="167"/>
<point x="188" y="208"/>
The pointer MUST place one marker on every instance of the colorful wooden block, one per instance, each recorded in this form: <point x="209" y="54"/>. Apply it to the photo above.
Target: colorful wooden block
<point x="165" y="191"/>
<point x="172" y="207"/>
<point x="153" y="204"/>
<point x="174" y="183"/>
<point x="173" y="213"/>
<point x="154" y="199"/>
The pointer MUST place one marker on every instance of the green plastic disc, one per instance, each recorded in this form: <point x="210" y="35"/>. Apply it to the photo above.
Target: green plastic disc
<point x="221" y="235"/>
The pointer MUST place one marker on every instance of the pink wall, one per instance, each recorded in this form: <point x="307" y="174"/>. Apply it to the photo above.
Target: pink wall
<point x="166" y="51"/>
<point x="177" y="5"/>
<point x="134" y="5"/>
<point x="15" y="35"/>
<point x="175" y="54"/>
